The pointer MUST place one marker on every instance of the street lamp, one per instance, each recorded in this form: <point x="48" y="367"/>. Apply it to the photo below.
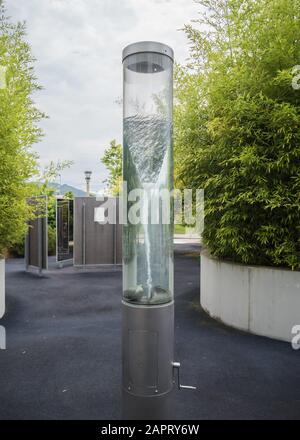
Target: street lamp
<point x="88" y="179"/>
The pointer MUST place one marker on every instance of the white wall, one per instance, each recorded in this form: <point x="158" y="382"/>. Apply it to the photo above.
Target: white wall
<point x="261" y="300"/>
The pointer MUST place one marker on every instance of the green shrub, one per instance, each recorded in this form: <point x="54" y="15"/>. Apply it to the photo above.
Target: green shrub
<point x="237" y="129"/>
<point x="18" y="132"/>
<point x="51" y="240"/>
<point x="18" y="250"/>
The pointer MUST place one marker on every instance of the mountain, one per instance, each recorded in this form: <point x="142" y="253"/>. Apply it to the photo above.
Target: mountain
<point x="62" y="189"/>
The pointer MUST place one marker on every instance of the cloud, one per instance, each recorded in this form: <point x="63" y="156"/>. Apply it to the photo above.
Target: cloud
<point x="78" y="46"/>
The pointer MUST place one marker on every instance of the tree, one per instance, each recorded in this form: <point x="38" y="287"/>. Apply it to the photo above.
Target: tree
<point x="18" y="131"/>
<point x="112" y="159"/>
<point x="50" y="173"/>
<point x="237" y="128"/>
<point x="69" y="195"/>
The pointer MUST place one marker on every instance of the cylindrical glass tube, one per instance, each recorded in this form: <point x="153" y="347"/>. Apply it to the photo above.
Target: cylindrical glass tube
<point x="148" y="173"/>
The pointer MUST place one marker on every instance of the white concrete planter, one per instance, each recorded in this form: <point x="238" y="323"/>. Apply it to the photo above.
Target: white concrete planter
<point x="2" y="286"/>
<point x="261" y="300"/>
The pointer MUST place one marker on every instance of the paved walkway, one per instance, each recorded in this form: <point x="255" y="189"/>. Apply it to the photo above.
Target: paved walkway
<point x="63" y="351"/>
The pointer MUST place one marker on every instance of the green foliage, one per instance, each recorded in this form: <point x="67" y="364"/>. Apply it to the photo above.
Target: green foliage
<point x="237" y="128"/>
<point x="50" y="173"/>
<point x="18" y="250"/>
<point x="51" y="240"/>
<point x="179" y="229"/>
<point x="112" y="159"/>
<point x="18" y="131"/>
<point x="69" y="195"/>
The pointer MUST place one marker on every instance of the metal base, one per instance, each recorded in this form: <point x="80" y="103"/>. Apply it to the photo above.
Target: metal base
<point x="146" y="408"/>
<point x="148" y="354"/>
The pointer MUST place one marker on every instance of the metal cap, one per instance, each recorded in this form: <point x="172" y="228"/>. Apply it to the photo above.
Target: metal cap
<point x="147" y="46"/>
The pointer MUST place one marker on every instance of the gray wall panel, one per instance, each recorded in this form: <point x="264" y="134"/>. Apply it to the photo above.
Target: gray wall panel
<point x="95" y="243"/>
<point x="36" y="243"/>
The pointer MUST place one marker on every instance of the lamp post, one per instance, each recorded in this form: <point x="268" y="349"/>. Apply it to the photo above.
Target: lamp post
<point x="88" y="179"/>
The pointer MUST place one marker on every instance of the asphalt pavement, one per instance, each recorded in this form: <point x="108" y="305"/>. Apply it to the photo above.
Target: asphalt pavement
<point x="63" y="359"/>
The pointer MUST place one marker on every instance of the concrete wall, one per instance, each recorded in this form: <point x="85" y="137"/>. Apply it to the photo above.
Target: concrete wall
<point x="2" y="286"/>
<point x="261" y="300"/>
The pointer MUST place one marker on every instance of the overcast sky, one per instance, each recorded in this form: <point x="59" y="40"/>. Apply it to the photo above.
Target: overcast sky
<point x="78" y="46"/>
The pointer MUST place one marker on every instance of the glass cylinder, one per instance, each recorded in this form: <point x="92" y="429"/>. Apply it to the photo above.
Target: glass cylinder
<point x="148" y="173"/>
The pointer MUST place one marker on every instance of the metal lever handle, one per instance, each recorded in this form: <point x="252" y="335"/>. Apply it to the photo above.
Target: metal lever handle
<point x="187" y="387"/>
<point x="180" y="387"/>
